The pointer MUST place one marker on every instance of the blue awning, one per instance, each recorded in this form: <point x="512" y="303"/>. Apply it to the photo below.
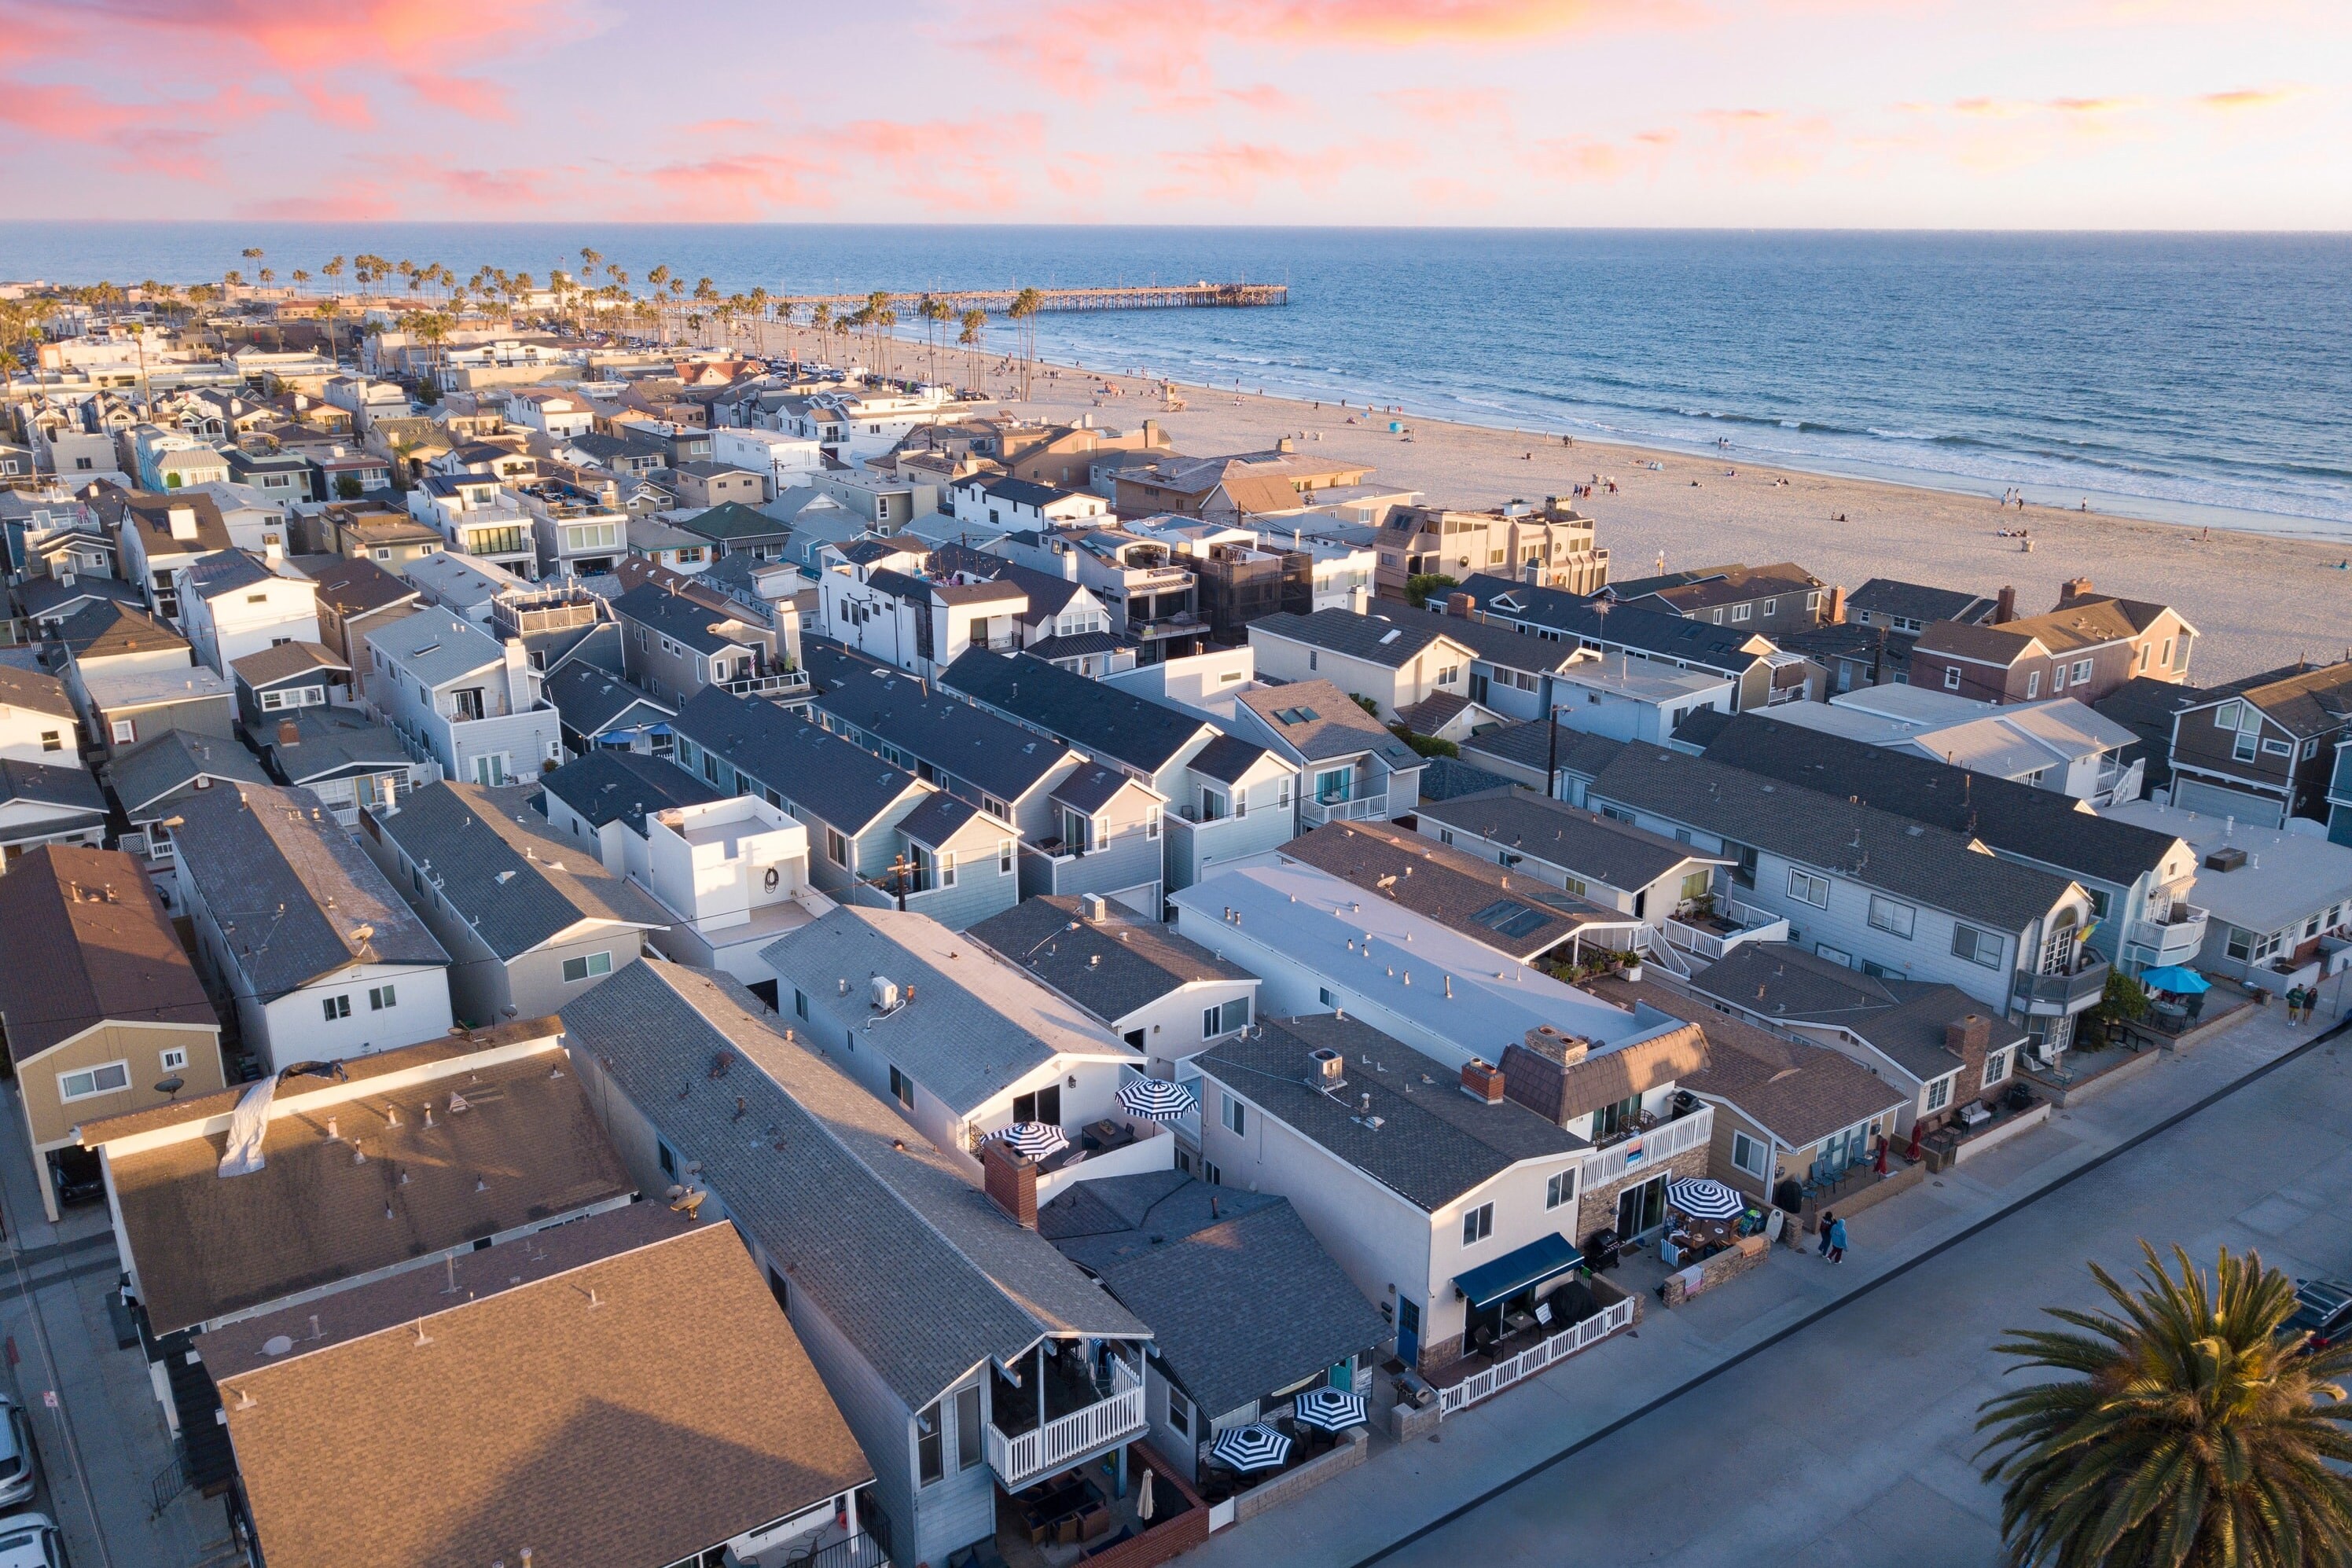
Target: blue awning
<point x="1507" y="1276"/>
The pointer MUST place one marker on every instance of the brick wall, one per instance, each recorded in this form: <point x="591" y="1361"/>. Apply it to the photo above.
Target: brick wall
<point x="1597" y="1208"/>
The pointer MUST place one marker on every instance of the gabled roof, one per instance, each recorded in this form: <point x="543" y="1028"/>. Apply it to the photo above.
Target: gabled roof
<point x="1888" y="596"/>
<point x="1932" y="865"/>
<point x="1734" y="585"/>
<point x="970" y="1029"/>
<point x="88" y="941"/>
<point x="574" y="1427"/>
<point x="1320" y="721"/>
<point x="1228" y="758"/>
<point x="1526" y="746"/>
<point x="41" y="783"/>
<point x="285" y="662"/>
<point x="1380" y="639"/>
<point x="175" y="760"/>
<point x="1103" y="719"/>
<point x="1111" y="966"/>
<point x="1092" y="786"/>
<point x="1512" y="914"/>
<point x="436" y="647"/>
<point x="1450" y="779"/>
<point x="289" y="887"/>
<point x="1433" y="1143"/>
<point x="1905" y="1019"/>
<point x="46" y="596"/>
<point x="1048" y="593"/>
<point x="2014" y="818"/>
<point x="35" y="692"/>
<point x="935" y="824"/>
<point x="1240" y="1296"/>
<point x="1585" y="843"/>
<point x="688" y="620"/>
<point x="609" y="785"/>
<point x="150" y="515"/>
<point x="592" y="699"/>
<point x="1671" y="636"/>
<point x="329" y="743"/>
<point x="103" y="631"/>
<point x="921" y="1274"/>
<point x="353" y="585"/>
<point x="842" y="784"/>
<point x="211" y="575"/>
<point x="733" y="522"/>
<point x="2307" y="699"/>
<point x="505" y="871"/>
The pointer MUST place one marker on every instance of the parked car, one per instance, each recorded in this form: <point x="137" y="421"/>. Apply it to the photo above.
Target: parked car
<point x="30" y="1541"/>
<point x="19" y="1463"/>
<point x="77" y="1174"/>
<point x="2323" y="1310"/>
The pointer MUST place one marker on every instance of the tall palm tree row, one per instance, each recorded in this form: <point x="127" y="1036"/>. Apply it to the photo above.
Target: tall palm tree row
<point x="1024" y="310"/>
<point x="2187" y="1428"/>
<point x="974" y="322"/>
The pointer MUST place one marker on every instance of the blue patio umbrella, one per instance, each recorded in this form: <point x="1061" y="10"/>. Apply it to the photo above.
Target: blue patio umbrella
<point x="1157" y="1100"/>
<point x="1328" y="1409"/>
<point x="1255" y="1447"/>
<point x="2180" y="981"/>
<point x="1038" y="1140"/>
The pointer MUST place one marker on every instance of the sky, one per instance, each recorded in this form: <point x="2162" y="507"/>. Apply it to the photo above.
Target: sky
<point x="2152" y="114"/>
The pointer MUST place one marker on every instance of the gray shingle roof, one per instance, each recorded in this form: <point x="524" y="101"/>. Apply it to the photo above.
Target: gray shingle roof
<point x="1434" y="1143"/>
<point x="592" y="699"/>
<point x="841" y="785"/>
<point x="1478" y="898"/>
<point x="42" y="784"/>
<point x="923" y="1275"/>
<point x="1916" y="601"/>
<point x="1110" y="967"/>
<point x="214" y="575"/>
<point x="172" y="760"/>
<point x="1091" y="787"/>
<point x="268" y="858"/>
<point x="98" y="631"/>
<point x="1086" y="713"/>
<point x="34" y="691"/>
<point x="975" y="1027"/>
<point x="1241" y="1298"/>
<point x="1630" y="626"/>
<point x="939" y="819"/>
<point x="1450" y="779"/>
<point x="1227" y="758"/>
<point x="505" y="871"/>
<point x="1527" y="745"/>
<point x="608" y="785"/>
<point x="285" y="661"/>
<point x="2009" y="816"/>
<point x="436" y="647"/>
<point x="990" y="752"/>
<point x="1904" y="1018"/>
<point x="1048" y="593"/>
<point x="1594" y="847"/>
<point x="330" y="742"/>
<point x="1319" y="721"/>
<point x="1933" y="866"/>
<point x="1383" y="639"/>
<point x="687" y="621"/>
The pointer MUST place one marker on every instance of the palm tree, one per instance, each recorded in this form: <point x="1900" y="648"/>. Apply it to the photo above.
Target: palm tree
<point x="935" y="313"/>
<point x="1023" y="311"/>
<point x="975" y="321"/>
<point x="757" y="300"/>
<point x="821" y="319"/>
<point x="2194" y="1433"/>
<point x="588" y="260"/>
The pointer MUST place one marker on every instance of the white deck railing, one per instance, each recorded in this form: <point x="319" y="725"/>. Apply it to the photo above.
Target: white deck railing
<point x="1534" y="1359"/>
<point x="1649" y="1149"/>
<point x="1019" y="1460"/>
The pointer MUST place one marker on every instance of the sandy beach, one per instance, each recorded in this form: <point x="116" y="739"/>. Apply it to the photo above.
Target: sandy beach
<point x="2257" y="601"/>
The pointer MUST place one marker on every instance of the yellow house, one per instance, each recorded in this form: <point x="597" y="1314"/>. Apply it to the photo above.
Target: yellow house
<point x="100" y="1007"/>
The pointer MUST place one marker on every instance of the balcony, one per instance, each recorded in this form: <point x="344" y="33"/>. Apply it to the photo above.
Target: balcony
<point x="2175" y="939"/>
<point x="1700" y="931"/>
<point x="2053" y="996"/>
<point x="1646" y="1144"/>
<point x="1364" y="808"/>
<point x="777" y="685"/>
<point x="1097" y="1422"/>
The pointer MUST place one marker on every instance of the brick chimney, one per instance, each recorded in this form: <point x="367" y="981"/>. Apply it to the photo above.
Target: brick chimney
<point x="1967" y="1036"/>
<point x="1458" y="604"/>
<point x="1834" y="615"/>
<point x="1011" y="1180"/>
<point x="2004" y="607"/>
<point x="2073" y="588"/>
<point x="287" y="733"/>
<point x="1481" y="1081"/>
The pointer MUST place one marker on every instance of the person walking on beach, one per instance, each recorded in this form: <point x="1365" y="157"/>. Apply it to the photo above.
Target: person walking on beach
<point x="1837" y="1241"/>
<point x="1828" y="1220"/>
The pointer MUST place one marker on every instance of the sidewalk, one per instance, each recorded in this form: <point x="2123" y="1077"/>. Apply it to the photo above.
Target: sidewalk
<point x="1403" y="1488"/>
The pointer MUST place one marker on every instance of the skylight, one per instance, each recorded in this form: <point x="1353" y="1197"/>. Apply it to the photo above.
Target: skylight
<point x="1509" y="917"/>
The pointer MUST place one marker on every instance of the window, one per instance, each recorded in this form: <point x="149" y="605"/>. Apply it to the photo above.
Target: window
<point x="2033" y="685"/>
<point x="1151" y="818"/>
<point x="1747" y="1154"/>
<point x="1939" y="1094"/>
<point x="1771" y="607"/>
<point x="1179" y="1413"/>
<point x="902" y="1089"/>
<point x="1477" y="1225"/>
<point x="2058" y="680"/>
<point x="2226" y="715"/>
<point x="1212" y="804"/>
<point x="335" y="1008"/>
<point x="2278" y="748"/>
<point x="2082" y="671"/>
<point x="380" y="999"/>
<point x="1448" y="673"/>
<point x="1003" y="857"/>
<point x="836" y="847"/>
<point x="1897" y="919"/>
<point x="1282" y="792"/>
<point x="1995" y="1067"/>
<point x="1225" y="1019"/>
<point x="930" y="1458"/>
<point x="1323" y="993"/>
<point x="104" y="1080"/>
<point x="1834" y="955"/>
<point x="800" y="1003"/>
<point x="1211" y="1174"/>
<point x="969" y="1451"/>
<point x="1742" y="611"/>
<point x="125" y="732"/>
<point x="1951" y="678"/>
<point x="1234" y="1115"/>
<point x="1331" y="786"/>
<point x="1806" y="888"/>
<point x="1560" y="1189"/>
<point x="587" y="965"/>
<point x="52" y="740"/>
<point x="947" y="864"/>
<point x="1976" y="947"/>
<point x="173" y="1060"/>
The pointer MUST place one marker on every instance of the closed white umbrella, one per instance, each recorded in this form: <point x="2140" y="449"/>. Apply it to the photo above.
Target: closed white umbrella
<point x="1143" y="1499"/>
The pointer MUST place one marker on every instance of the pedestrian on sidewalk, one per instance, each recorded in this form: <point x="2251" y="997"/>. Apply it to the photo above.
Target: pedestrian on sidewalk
<point x="2295" y="1005"/>
<point x="1837" y="1241"/>
<point x="1828" y="1220"/>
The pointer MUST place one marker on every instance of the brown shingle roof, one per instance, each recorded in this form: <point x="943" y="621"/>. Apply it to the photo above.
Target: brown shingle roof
<point x="1457" y="891"/>
<point x="525" y="1147"/>
<point x="87" y="941"/>
<point x="642" y="1407"/>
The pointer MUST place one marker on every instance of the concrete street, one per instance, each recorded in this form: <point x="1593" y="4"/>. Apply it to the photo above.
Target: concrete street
<point x="1841" y="1430"/>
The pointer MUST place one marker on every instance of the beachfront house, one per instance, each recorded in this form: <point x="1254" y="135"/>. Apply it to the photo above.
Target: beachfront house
<point x="2261" y="749"/>
<point x="1762" y="672"/>
<point x="2084" y="648"/>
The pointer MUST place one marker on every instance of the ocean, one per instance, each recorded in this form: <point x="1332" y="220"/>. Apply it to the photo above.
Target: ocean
<point x="2195" y="377"/>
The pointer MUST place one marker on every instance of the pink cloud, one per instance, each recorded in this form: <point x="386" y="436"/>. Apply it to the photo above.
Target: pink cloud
<point x="310" y="33"/>
<point x="1233" y="171"/>
<point x="467" y="96"/>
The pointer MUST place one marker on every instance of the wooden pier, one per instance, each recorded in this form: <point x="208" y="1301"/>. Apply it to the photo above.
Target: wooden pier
<point x="1115" y="297"/>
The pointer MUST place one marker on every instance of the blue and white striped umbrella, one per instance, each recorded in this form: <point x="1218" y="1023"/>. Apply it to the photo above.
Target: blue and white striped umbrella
<point x="1157" y="1100"/>
<point x="1329" y="1409"/>
<point x="1038" y="1140"/>
<point x="1257" y="1446"/>
<point x="1702" y="1198"/>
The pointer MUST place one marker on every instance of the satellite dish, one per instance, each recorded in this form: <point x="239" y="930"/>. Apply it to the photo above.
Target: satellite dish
<point x="170" y="1087"/>
<point x="362" y="933"/>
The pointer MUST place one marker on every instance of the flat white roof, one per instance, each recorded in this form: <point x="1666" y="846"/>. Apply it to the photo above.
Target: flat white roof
<point x="2287" y="877"/>
<point x="1642" y="680"/>
<point x="115" y="690"/>
<point x="1327" y="925"/>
